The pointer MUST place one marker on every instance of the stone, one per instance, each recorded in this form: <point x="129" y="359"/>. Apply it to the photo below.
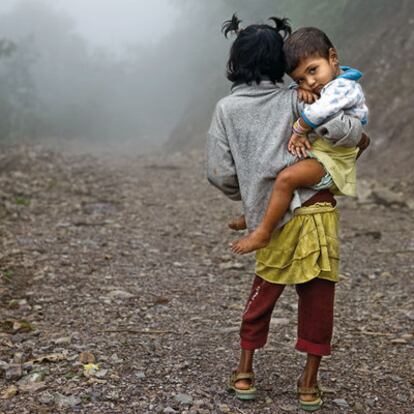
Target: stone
<point x="224" y="408"/>
<point x="120" y="294"/>
<point x="3" y="365"/>
<point x="101" y="373"/>
<point x="231" y="266"/>
<point x="31" y="388"/>
<point x="65" y="340"/>
<point x="87" y="358"/>
<point x="184" y="399"/>
<point x="290" y="408"/>
<point x="340" y="402"/>
<point x="279" y="321"/>
<point x="140" y="375"/>
<point x="46" y="398"/>
<point x="388" y="197"/>
<point x="63" y="401"/>
<point x="32" y="378"/>
<point x="364" y="191"/>
<point x="14" y="372"/>
<point x="18" y="358"/>
<point x="169" y="410"/>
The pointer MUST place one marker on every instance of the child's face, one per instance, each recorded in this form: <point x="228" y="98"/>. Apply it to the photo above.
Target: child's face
<point x="314" y="72"/>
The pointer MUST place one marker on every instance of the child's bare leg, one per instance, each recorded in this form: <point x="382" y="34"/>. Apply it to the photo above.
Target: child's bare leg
<point x="238" y="224"/>
<point x="245" y="365"/>
<point x="304" y="173"/>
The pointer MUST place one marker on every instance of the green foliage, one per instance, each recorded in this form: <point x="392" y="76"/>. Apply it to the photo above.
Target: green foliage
<point x="7" y="274"/>
<point x="21" y="201"/>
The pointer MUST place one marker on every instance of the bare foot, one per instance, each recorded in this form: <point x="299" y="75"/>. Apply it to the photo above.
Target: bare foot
<point x="243" y="384"/>
<point x="238" y="224"/>
<point x="251" y="242"/>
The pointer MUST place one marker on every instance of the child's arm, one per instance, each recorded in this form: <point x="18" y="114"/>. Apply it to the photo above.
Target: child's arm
<point x="340" y="94"/>
<point x="299" y="143"/>
<point x="306" y="96"/>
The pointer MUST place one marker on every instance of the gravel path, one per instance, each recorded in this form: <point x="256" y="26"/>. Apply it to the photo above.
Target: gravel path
<point x="119" y="295"/>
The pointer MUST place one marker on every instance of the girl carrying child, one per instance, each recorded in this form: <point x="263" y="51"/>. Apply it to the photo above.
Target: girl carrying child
<point x="247" y="151"/>
<point x="312" y="62"/>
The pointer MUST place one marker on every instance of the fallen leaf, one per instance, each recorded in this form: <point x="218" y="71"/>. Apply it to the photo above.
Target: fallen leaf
<point x="9" y="392"/>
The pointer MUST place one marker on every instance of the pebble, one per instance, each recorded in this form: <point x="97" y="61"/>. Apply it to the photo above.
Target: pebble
<point x="18" y="358"/>
<point x="4" y="365"/>
<point x="184" y="399"/>
<point x="359" y="408"/>
<point x="224" y="408"/>
<point x="140" y="375"/>
<point x="31" y="388"/>
<point x="169" y="410"/>
<point x="290" y="408"/>
<point x="14" y="372"/>
<point x="101" y="373"/>
<point x="87" y="358"/>
<point x="32" y="378"/>
<point x="340" y="402"/>
<point x="231" y="266"/>
<point x="46" y="398"/>
<point x="63" y="401"/>
<point x="279" y="321"/>
<point x="120" y="294"/>
<point x="115" y="359"/>
<point x="64" y="340"/>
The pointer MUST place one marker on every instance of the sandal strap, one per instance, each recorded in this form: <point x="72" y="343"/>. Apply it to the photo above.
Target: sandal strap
<point x="309" y="391"/>
<point x="236" y="376"/>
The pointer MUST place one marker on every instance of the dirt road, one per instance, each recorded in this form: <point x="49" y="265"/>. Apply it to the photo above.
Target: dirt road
<point x="125" y="265"/>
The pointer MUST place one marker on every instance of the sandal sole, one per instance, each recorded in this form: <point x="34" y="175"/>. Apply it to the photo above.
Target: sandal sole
<point x="248" y="395"/>
<point x="311" y="407"/>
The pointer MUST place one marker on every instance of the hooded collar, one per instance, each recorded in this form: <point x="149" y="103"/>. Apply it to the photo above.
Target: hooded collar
<point x="350" y="73"/>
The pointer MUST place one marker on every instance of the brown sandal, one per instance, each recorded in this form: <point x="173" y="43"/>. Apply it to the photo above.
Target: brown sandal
<point x="250" y="393"/>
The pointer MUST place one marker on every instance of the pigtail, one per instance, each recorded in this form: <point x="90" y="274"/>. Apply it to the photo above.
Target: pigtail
<point x="231" y="25"/>
<point x="282" y="25"/>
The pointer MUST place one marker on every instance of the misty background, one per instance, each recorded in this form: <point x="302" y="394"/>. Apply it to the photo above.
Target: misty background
<point x="147" y="74"/>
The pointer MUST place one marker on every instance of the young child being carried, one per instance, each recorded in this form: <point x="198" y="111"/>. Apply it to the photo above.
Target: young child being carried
<point x="312" y="62"/>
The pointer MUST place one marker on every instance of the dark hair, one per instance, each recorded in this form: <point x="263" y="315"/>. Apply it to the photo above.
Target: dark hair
<point x="257" y="52"/>
<point x="305" y="42"/>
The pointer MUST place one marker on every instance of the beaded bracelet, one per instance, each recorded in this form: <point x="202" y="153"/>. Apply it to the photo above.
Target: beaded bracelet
<point x="299" y="129"/>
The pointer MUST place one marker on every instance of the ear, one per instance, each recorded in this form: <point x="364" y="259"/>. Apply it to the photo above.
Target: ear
<point x="333" y="56"/>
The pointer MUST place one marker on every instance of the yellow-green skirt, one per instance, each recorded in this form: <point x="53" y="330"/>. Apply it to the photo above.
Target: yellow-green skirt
<point x="304" y="248"/>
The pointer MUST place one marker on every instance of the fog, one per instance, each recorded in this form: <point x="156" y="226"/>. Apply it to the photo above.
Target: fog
<point x="114" y="24"/>
<point x="140" y="73"/>
<point x="85" y="70"/>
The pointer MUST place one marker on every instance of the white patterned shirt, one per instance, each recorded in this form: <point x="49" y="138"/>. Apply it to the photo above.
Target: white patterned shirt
<point x="344" y="93"/>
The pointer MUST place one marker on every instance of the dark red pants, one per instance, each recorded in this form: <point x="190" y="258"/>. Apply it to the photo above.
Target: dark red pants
<point x="315" y="315"/>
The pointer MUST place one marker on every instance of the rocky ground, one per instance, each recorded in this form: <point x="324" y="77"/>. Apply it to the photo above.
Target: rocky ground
<point x="119" y="294"/>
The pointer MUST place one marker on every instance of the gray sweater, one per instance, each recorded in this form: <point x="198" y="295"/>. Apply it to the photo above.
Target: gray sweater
<point x="247" y="144"/>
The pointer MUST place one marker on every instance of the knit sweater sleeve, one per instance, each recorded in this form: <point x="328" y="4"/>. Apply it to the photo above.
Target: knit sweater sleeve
<point x="221" y="171"/>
